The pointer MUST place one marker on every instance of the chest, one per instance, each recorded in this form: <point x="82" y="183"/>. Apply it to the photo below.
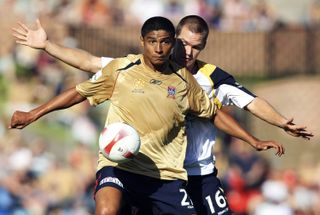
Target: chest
<point x="150" y="92"/>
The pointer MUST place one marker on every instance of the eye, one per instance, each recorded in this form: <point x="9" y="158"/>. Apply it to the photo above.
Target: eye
<point x="152" y="42"/>
<point x="166" y="42"/>
<point x="197" y="47"/>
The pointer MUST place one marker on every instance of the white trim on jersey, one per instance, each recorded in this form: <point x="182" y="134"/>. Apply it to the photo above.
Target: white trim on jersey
<point x="231" y="95"/>
<point x="105" y="61"/>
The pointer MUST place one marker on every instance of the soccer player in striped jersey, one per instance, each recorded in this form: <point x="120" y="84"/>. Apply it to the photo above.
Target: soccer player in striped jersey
<point x="192" y="32"/>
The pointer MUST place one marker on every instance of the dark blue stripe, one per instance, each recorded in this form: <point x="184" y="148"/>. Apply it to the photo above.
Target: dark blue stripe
<point x="138" y="62"/>
<point x="220" y="77"/>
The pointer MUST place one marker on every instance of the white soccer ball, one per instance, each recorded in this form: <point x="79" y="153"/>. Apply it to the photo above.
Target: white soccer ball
<point x="119" y="142"/>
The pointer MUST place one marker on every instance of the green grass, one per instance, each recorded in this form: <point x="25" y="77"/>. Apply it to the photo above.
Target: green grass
<point x="55" y="131"/>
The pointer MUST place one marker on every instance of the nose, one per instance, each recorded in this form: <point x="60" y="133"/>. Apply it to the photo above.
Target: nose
<point x="188" y="50"/>
<point x="158" y="48"/>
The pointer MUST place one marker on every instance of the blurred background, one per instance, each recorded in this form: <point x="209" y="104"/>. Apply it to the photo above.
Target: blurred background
<point x="272" y="47"/>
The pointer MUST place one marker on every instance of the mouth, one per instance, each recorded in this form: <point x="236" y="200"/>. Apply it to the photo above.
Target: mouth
<point x="188" y="59"/>
<point x="159" y="58"/>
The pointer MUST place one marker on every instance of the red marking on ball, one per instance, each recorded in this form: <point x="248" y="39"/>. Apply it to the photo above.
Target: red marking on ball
<point x="118" y="137"/>
<point x="128" y="155"/>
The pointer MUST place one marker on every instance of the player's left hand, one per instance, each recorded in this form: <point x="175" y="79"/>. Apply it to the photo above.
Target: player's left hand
<point x="297" y="130"/>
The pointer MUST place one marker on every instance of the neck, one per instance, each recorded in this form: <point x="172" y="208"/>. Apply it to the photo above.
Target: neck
<point x="156" y="68"/>
<point x="160" y="68"/>
<point x="193" y="68"/>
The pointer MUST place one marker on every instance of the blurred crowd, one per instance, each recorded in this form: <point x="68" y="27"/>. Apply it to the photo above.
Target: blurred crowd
<point x="34" y="181"/>
<point x="55" y="175"/>
<point x="226" y="15"/>
<point x="255" y="187"/>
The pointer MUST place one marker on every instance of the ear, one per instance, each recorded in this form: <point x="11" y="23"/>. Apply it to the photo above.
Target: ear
<point x="141" y="41"/>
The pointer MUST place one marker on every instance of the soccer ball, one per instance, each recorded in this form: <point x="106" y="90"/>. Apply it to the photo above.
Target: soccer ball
<point x="119" y="142"/>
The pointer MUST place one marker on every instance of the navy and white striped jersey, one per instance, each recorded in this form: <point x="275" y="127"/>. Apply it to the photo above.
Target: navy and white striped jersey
<point x="201" y="133"/>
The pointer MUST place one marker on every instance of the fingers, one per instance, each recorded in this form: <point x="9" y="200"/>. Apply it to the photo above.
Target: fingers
<point x="21" y="39"/>
<point x="22" y="42"/>
<point x="19" y="31"/>
<point x="19" y="36"/>
<point x="306" y="136"/>
<point x="280" y="149"/>
<point x="16" y="124"/>
<point x="19" y="120"/>
<point x="290" y="121"/>
<point x="298" y="131"/>
<point x="271" y="144"/>
<point x="23" y="27"/>
<point x="305" y="133"/>
<point x="296" y="127"/>
<point x="292" y="126"/>
<point x="16" y="127"/>
<point x="302" y="133"/>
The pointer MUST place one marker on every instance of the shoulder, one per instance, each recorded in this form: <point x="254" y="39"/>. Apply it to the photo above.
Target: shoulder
<point x="105" y="60"/>
<point x="217" y="75"/>
<point x="124" y="63"/>
<point x="182" y="72"/>
<point x="206" y="68"/>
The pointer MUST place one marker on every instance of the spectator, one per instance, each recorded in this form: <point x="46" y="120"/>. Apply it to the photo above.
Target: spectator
<point x="95" y="13"/>
<point x="235" y="15"/>
<point x="275" y="195"/>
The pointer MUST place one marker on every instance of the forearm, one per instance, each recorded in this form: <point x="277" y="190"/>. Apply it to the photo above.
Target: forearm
<point x="228" y="124"/>
<point x="263" y="110"/>
<point x="62" y="101"/>
<point x="74" y="57"/>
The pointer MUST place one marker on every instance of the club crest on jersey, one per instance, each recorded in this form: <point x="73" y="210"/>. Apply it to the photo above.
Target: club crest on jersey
<point x="138" y="86"/>
<point x="171" y="92"/>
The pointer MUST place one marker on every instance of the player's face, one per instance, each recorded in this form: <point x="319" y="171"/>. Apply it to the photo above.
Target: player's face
<point x="157" y="48"/>
<point x="188" y="47"/>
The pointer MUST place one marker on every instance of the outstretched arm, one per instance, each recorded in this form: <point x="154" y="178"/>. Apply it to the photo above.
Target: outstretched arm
<point x="262" y="109"/>
<point x="67" y="99"/>
<point x="38" y="39"/>
<point x="229" y="91"/>
<point x="227" y="124"/>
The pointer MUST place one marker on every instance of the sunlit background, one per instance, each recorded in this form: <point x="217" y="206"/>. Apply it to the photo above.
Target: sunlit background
<point x="272" y="47"/>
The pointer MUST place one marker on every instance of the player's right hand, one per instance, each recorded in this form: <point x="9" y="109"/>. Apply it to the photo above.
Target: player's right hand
<point x="268" y="144"/>
<point x="20" y="119"/>
<point x="33" y="38"/>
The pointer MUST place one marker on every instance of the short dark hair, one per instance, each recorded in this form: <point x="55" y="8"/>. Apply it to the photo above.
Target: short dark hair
<point x="195" y="24"/>
<point x="157" y="23"/>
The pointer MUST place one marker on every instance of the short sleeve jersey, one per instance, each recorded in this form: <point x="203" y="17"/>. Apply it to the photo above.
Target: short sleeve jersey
<point x="155" y="104"/>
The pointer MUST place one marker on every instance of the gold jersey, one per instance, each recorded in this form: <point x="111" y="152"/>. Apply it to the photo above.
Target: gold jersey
<point x="155" y="104"/>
